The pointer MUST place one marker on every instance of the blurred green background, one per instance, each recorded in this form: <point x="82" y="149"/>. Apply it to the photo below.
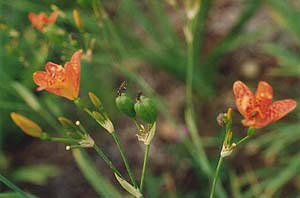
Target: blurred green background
<point x="143" y="43"/>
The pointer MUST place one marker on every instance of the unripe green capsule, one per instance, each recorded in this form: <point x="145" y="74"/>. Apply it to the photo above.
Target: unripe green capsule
<point x="145" y="109"/>
<point x="125" y="105"/>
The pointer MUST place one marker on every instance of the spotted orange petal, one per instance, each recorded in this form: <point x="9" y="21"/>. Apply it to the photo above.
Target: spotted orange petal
<point x="72" y="69"/>
<point x="279" y="109"/>
<point x="41" y="79"/>
<point x="244" y="99"/>
<point x="53" y="68"/>
<point x="264" y="95"/>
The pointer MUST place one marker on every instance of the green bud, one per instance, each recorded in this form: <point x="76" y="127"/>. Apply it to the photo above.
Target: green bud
<point x="98" y="116"/>
<point x="95" y="100"/>
<point x="145" y="109"/>
<point x="65" y="122"/>
<point x="125" y="105"/>
<point x="251" y="131"/>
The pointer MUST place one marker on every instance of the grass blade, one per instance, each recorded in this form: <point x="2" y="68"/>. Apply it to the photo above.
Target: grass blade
<point x="90" y="172"/>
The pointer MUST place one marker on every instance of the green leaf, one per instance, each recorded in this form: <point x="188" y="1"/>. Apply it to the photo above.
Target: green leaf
<point x="10" y="195"/>
<point x="3" y="161"/>
<point x="289" y="17"/>
<point x="32" y="101"/>
<point x="27" y="96"/>
<point x="283" y="176"/>
<point x="15" y="188"/>
<point x="285" y="56"/>
<point x="289" y="61"/>
<point x="38" y="174"/>
<point x="93" y="176"/>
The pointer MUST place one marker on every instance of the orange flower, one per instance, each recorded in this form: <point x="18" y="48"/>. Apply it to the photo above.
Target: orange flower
<point x="259" y="110"/>
<point x="41" y="20"/>
<point x="62" y="81"/>
<point x="28" y="126"/>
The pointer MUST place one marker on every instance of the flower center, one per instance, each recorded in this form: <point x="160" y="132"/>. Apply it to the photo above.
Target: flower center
<point x="257" y="112"/>
<point x="253" y="114"/>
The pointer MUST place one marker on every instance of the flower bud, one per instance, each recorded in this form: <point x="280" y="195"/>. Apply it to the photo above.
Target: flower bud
<point x="125" y="105"/>
<point x="77" y="18"/>
<point x="95" y="100"/>
<point x="104" y="121"/>
<point x="220" y="119"/>
<point x="65" y="122"/>
<point x="145" y="109"/>
<point x="251" y="131"/>
<point x="28" y="126"/>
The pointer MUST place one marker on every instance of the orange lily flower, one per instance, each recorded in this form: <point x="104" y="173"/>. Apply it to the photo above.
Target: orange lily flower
<point x="62" y="81"/>
<point x="259" y="110"/>
<point x="41" y="20"/>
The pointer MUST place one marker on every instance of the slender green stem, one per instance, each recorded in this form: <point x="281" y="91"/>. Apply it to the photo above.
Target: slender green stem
<point x="107" y="161"/>
<point x="80" y="104"/>
<point x="243" y="140"/>
<point x="189" y="74"/>
<point x="212" y="192"/>
<point x="144" y="167"/>
<point x="136" y="124"/>
<point x="14" y="187"/>
<point x="194" y="46"/>
<point x="116" y="138"/>
<point x="64" y="140"/>
<point x="189" y="111"/>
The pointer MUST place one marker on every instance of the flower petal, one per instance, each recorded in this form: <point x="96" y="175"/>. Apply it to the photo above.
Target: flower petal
<point x="264" y="95"/>
<point x="41" y="79"/>
<point x="244" y="99"/>
<point x="53" y="68"/>
<point x="32" y="16"/>
<point x="62" y="89"/>
<point x="279" y="109"/>
<point x="72" y="69"/>
<point x="52" y="17"/>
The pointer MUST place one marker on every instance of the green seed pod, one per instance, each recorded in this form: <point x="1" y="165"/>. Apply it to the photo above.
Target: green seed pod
<point x="125" y="105"/>
<point x="145" y="109"/>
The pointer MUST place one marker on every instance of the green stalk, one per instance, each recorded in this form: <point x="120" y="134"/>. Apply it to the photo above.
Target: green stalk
<point x="64" y="140"/>
<point x="15" y="188"/>
<point x="212" y="192"/>
<point x="196" y="28"/>
<point x="146" y="155"/>
<point x="116" y="138"/>
<point x="189" y="113"/>
<point x="250" y="132"/>
<point x="243" y="140"/>
<point x="202" y="159"/>
<point x="107" y="161"/>
<point x="87" y="166"/>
